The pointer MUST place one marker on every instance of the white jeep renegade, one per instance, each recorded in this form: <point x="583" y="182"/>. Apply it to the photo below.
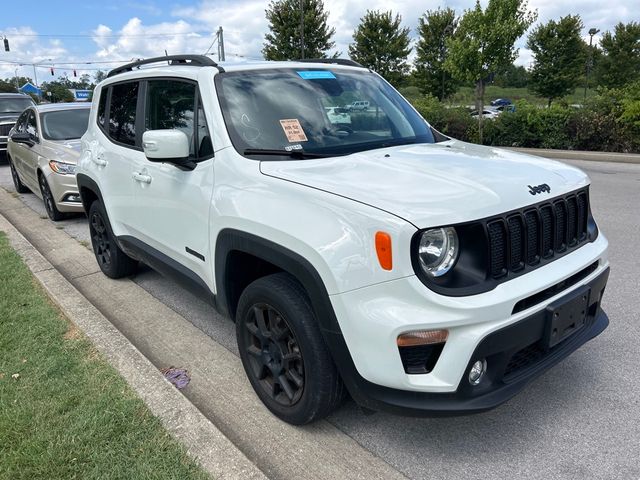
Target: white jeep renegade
<point x="363" y="251"/>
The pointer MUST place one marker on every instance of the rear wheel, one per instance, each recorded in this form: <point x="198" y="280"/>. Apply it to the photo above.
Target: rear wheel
<point x="112" y="260"/>
<point x="283" y="352"/>
<point x="49" y="201"/>
<point x="17" y="183"/>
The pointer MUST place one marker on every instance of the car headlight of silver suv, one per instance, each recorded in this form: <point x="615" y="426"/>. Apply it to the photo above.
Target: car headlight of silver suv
<point x="62" y="168"/>
<point x="438" y="250"/>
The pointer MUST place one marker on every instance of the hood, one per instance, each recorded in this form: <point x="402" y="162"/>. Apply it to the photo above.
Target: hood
<point x="434" y="184"/>
<point x="67" y="151"/>
<point x="9" y="117"/>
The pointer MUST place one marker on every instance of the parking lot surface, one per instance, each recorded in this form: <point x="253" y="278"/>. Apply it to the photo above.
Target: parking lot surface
<point x="580" y="420"/>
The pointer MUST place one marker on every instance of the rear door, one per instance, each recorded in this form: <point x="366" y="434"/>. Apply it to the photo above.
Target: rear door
<point x="172" y="205"/>
<point x="114" y="156"/>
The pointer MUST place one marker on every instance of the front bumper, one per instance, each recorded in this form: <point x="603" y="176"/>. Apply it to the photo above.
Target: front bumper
<point x="64" y="188"/>
<point x="370" y="319"/>
<point x="514" y="355"/>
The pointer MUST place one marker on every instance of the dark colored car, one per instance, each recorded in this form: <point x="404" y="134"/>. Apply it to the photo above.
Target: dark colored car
<point x="501" y="102"/>
<point x="11" y="106"/>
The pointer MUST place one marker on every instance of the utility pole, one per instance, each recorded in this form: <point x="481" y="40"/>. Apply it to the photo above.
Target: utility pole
<point x="592" y="32"/>
<point x="16" y="78"/>
<point x="302" y="29"/>
<point x="447" y="31"/>
<point x="220" y="36"/>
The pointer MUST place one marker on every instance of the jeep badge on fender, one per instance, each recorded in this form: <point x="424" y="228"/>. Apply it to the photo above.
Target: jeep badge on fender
<point x="539" y="189"/>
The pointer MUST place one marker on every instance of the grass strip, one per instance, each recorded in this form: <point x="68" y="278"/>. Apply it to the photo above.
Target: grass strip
<point x="64" y="411"/>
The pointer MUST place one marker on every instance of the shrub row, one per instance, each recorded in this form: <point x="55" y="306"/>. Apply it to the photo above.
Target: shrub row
<point x="610" y="122"/>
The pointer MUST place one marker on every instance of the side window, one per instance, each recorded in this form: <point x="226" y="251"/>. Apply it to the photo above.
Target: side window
<point x="122" y="113"/>
<point x="170" y="105"/>
<point x="21" y="123"/>
<point x="102" y="107"/>
<point x="32" y="126"/>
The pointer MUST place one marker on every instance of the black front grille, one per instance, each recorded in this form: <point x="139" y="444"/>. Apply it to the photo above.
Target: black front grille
<point x="5" y="128"/>
<point x="524" y="358"/>
<point x="541" y="231"/>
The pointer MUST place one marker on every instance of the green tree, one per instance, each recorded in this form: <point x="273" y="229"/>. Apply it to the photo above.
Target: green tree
<point x="484" y="43"/>
<point x="283" y="42"/>
<point x="59" y="91"/>
<point x="515" y="76"/>
<point x="382" y="44"/>
<point x="99" y="76"/>
<point x="559" y="53"/>
<point x="619" y="63"/>
<point x="434" y="27"/>
<point x="6" y="86"/>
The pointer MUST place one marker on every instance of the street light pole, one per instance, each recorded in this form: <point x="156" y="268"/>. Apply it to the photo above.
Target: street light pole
<point x="592" y="32"/>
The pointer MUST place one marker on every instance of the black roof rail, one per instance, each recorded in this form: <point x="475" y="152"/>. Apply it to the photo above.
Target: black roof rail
<point x="193" y="60"/>
<point x="336" y="61"/>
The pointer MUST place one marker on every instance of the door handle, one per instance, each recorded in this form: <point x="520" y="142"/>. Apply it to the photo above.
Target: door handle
<point x="99" y="160"/>
<point x="139" y="177"/>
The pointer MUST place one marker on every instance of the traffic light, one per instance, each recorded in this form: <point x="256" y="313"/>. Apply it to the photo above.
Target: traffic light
<point x="6" y="44"/>
<point x="74" y="73"/>
<point x="51" y="69"/>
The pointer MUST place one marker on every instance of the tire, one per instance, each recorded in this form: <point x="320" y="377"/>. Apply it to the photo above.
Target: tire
<point x="17" y="183"/>
<point x="113" y="262"/>
<point x="283" y="351"/>
<point x="49" y="202"/>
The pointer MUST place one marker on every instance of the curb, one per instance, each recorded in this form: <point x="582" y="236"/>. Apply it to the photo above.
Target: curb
<point x="580" y="155"/>
<point x="215" y="453"/>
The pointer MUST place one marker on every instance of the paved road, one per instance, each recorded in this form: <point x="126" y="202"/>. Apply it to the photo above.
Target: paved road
<point x="580" y="420"/>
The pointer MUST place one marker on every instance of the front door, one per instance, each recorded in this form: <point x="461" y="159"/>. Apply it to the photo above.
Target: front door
<point x="172" y="205"/>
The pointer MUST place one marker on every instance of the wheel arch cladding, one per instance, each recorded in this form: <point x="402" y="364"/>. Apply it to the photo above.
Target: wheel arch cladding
<point x="89" y="191"/>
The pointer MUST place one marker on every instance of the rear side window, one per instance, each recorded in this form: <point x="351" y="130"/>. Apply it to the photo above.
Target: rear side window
<point x="122" y="113"/>
<point x="102" y="108"/>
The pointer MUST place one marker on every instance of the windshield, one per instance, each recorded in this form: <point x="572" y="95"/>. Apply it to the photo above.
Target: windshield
<point x="65" y="124"/>
<point x="14" y="105"/>
<point x="333" y="112"/>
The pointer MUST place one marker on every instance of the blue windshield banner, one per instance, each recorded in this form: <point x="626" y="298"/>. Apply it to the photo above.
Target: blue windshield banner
<point x="316" y="74"/>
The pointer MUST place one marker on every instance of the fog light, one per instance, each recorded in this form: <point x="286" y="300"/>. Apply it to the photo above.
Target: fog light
<point x="477" y="371"/>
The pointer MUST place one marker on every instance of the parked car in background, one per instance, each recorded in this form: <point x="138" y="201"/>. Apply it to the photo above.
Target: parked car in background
<point x="487" y="113"/>
<point x="11" y="106"/>
<point x="43" y="150"/>
<point x="500" y="102"/>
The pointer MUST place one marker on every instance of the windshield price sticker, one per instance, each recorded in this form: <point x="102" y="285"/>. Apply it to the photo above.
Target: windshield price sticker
<point x="293" y="130"/>
<point x="316" y="74"/>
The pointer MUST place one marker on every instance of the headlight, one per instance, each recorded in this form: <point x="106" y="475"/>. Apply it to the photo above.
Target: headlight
<point x="62" y="168"/>
<point x="438" y="250"/>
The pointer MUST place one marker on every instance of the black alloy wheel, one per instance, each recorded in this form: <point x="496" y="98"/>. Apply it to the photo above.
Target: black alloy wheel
<point x="100" y="240"/>
<point x="49" y="202"/>
<point x="274" y="354"/>
<point x="113" y="262"/>
<point x="283" y="351"/>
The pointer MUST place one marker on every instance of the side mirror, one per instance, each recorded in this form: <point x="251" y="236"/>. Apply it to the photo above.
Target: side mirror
<point x="22" y="137"/>
<point x="169" y="146"/>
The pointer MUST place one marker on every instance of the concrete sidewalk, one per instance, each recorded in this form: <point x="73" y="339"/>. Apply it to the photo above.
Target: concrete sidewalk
<point x="219" y="387"/>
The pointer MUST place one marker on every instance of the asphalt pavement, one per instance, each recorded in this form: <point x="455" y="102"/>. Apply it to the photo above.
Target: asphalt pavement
<point x="580" y="420"/>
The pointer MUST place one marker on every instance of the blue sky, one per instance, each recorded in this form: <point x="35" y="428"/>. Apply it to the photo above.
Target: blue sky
<point x="121" y="30"/>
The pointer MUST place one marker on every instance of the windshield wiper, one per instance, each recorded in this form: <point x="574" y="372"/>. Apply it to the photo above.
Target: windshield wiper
<point x="298" y="153"/>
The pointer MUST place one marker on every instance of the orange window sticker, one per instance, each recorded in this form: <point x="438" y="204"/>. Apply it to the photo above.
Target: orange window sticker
<point x="293" y="130"/>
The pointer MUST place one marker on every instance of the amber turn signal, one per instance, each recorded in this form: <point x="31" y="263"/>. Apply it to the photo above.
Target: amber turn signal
<point x="422" y="337"/>
<point x="383" y="249"/>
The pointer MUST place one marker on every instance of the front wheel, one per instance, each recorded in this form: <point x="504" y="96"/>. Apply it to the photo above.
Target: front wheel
<point x="49" y="202"/>
<point x="113" y="262"/>
<point x="283" y="352"/>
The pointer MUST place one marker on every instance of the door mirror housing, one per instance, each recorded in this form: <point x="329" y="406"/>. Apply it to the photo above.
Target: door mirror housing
<point x="167" y="146"/>
<point x="22" y="137"/>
